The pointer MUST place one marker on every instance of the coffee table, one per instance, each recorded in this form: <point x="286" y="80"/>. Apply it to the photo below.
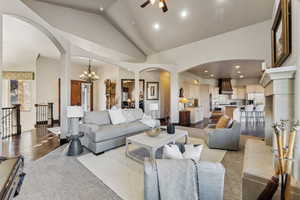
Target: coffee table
<point x="152" y="144"/>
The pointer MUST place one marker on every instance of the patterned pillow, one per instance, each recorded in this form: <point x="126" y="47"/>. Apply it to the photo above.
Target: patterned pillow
<point x="223" y="121"/>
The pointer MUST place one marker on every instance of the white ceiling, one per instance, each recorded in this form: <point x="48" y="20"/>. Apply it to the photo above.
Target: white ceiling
<point x="23" y="42"/>
<point x="204" y="19"/>
<point x="227" y="69"/>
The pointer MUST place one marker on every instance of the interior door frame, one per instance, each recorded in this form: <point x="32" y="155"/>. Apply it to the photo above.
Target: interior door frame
<point x="59" y="96"/>
<point x="92" y="92"/>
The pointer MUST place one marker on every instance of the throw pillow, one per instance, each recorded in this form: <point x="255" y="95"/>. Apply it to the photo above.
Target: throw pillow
<point x="171" y="152"/>
<point x="229" y="125"/>
<point x="223" y="121"/>
<point x="116" y="116"/>
<point x="192" y="152"/>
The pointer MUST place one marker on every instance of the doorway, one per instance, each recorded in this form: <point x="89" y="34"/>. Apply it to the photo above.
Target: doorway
<point x="82" y="94"/>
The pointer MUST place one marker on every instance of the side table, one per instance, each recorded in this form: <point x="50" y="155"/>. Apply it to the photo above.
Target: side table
<point x="75" y="147"/>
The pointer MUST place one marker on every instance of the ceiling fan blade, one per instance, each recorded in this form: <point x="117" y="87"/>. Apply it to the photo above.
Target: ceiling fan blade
<point x="165" y="7"/>
<point x="145" y="4"/>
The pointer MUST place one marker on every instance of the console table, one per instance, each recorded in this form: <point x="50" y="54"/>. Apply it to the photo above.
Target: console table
<point x="184" y="118"/>
<point x="258" y="169"/>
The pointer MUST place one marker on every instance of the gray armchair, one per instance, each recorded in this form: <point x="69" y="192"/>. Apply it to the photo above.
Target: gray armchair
<point x="210" y="180"/>
<point x="227" y="138"/>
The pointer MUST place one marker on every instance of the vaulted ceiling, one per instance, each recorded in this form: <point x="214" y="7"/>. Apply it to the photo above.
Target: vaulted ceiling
<point x="187" y="21"/>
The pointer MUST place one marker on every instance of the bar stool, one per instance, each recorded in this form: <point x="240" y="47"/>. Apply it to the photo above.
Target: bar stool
<point x="249" y="112"/>
<point x="260" y="113"/>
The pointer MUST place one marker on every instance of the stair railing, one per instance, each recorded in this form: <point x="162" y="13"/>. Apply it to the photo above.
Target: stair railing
<point x="11" y="121"/>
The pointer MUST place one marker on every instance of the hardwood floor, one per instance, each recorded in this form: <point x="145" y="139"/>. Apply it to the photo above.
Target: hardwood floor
<point x="32" y="144"/>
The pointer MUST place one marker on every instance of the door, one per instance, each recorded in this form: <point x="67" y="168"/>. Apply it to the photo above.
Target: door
<point x="82" y="94"/>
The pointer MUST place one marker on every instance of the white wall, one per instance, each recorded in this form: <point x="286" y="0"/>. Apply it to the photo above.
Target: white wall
<point x="47" y="75"/>
<point x="107" y="72"/>
<point x="251" y="42"/>
<point x="165" y="94"/>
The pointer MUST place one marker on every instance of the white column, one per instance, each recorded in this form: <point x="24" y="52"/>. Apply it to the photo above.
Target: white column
<point x="65" y="89"/>
<point x="1" y="65"/>
<point x="137" y="89"/>
<point x="174" y="97"/>
<point x="296" y="28"/>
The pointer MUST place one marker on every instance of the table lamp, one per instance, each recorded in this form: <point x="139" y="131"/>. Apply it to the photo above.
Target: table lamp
<point x="74" y="113"/>
<point x="184" y="101"/>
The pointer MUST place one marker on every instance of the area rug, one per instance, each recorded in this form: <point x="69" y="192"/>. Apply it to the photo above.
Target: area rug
<point x="125" y="176"/>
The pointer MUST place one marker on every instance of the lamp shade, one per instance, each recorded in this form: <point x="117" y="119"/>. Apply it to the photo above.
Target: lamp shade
<point x="184" y="100"/>
<point x="74" y="111"/>
<point x="153" y="106"/>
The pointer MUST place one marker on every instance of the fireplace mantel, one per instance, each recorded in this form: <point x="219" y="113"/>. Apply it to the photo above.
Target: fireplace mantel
<point x="287" y="72"/>
<point x="280" y="94"/>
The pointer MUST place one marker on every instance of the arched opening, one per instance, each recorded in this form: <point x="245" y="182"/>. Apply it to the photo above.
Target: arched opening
<point x="203" y="87"/>
<point x="156" y="98"/>
<point x="25" y="43"/>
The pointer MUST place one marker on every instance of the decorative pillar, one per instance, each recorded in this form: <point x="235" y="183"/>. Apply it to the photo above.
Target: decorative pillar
<point x="279" y="84"/>
<point x="296" y="28"/>
<point x="174" y="97"/>
<point x="65" y="92"/>
<point x="137" y="89"/>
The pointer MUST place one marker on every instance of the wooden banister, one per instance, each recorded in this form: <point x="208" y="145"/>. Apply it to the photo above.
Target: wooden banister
<point x="11" y="121"/>
<point x="44" y="114"/>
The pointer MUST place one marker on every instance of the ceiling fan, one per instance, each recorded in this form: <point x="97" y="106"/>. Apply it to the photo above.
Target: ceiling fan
<point x="162" y="4"/>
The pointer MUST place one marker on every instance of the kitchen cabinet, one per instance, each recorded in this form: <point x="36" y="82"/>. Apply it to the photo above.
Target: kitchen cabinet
<point x="197" y="114"/>
<point x="239" y="93"/>
<point x="254" y="89"/>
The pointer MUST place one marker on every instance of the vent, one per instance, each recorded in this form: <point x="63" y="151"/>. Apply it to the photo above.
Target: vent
<point x="225" y="86"/>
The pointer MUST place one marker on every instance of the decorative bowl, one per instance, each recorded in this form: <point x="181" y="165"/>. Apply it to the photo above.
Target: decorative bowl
<point x="153" y="132"/>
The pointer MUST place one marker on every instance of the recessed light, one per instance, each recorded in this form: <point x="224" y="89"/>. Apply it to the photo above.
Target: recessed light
<point x="220" y="1"/>
<point x="241" y="76"/>
<point x="101" y="9"/>
<point x="205" y="71"/>
<point x="212" y="75"/>
<point x="238" y="72"/>
<point x="183" y="14"/>
<point x="237" y="67"/>
<point x="156" y="26"/>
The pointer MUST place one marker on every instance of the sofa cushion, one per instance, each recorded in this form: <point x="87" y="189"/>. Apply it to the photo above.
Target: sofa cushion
<point x="116" y="116"/>
<point x="99" y="118"/>
<point x="107" y="132"/>
<point x="132" y="115"/>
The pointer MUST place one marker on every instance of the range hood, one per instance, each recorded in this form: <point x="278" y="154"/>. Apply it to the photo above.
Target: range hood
<point x="225" y="86"/>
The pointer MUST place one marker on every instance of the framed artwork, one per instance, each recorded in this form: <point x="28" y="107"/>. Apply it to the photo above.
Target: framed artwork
<point x="152" y="90"/>
<point x="21" y="93"/>
<point x="281" y="34"/>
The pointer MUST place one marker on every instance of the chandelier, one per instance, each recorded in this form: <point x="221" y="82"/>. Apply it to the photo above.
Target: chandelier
<point x="161" y="4"/>
<point x="89" y="76"/>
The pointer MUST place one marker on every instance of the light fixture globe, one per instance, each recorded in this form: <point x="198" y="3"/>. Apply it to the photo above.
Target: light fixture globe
<point x="89" y="76"/>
